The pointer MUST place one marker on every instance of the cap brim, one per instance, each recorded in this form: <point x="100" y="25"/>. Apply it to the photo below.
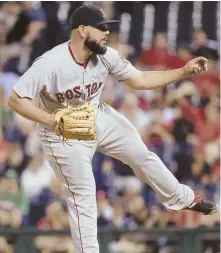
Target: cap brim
<point x="106" y="22"/>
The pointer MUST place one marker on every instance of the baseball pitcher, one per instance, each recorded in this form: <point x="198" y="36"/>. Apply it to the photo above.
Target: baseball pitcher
<point x="66" y="83"/>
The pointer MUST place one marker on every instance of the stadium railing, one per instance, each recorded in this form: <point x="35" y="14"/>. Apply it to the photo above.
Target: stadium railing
<point x="185" y="240"/>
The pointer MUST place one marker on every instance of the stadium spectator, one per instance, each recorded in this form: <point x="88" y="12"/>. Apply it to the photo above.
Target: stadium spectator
<point x="35" y="182"/>
<point x="201" y="43"/>
<point x="56" y="218"/>
<point x="182" y="56"/>
<point x="155" y="58"/>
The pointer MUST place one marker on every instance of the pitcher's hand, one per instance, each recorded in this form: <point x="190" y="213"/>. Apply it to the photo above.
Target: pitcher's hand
<point x="195" y="66"/>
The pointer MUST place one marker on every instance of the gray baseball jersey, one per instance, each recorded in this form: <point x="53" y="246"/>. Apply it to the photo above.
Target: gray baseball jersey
<point x="56" y="80"/>
<point x="56" y="72"/>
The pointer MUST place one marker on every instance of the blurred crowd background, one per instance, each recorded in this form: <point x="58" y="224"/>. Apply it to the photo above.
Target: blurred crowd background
<point x="180" y="123"/>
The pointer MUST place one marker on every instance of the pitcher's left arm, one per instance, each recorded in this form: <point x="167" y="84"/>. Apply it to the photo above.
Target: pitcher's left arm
<point x="147" y="80"/>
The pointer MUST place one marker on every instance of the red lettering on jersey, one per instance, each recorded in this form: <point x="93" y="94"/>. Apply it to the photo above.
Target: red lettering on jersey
<point x="77" y="92"/>
<point x="93" y="88"/>
<point x="88" y="87"/>
<point x="60" y="97"/>
<point x="69" y="94"/>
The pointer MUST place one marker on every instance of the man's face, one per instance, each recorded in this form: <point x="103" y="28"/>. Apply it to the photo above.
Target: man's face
<point x="97" y="39"/>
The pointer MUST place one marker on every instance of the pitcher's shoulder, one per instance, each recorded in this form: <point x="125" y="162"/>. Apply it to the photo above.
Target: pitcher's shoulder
<point x="109" y="58"/>
<point x="54" y="56"/>
<point x="111" y="53"/>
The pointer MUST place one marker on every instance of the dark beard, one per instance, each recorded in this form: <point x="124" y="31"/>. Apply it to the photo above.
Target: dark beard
<point x="94" y="47"/>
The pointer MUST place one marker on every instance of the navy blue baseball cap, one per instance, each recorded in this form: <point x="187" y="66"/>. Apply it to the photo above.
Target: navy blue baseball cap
<point x="89" y="15"/>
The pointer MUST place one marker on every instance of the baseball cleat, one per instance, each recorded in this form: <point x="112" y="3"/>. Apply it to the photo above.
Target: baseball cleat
<point x="202" y="206"/>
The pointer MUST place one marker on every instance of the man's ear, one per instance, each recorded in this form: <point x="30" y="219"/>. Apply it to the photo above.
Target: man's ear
<point x="82" y="31"/>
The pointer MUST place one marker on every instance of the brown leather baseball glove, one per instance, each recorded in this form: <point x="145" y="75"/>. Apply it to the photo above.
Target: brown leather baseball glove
<point x="75" y="123"/>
